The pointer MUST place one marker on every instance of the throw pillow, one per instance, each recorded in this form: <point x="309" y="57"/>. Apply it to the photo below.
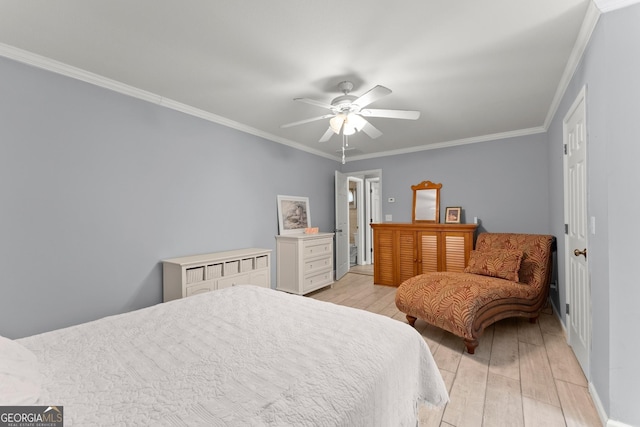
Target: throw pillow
<point x="502" y="263"/>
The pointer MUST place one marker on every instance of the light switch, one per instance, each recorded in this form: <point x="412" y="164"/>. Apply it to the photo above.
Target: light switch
<point x="592" y="224"/>
<point x="388" y="217"/>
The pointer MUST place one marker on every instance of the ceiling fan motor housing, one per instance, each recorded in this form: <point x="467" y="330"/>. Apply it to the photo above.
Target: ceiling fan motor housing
<point x="343" y="103"/>
<point x="345" y="87"/>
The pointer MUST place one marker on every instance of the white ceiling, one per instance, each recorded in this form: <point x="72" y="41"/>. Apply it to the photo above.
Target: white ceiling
<point x="475" y="70"/>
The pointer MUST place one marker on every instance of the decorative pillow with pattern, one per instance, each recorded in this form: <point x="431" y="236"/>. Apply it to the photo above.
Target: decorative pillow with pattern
<point x="502" y="263"/>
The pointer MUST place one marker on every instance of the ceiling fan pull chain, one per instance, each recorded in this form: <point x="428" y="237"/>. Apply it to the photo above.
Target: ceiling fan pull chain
<point x="344" y="142"/>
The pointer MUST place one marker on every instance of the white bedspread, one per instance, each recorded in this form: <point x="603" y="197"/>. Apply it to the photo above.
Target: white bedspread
<point x="242" y="356"/>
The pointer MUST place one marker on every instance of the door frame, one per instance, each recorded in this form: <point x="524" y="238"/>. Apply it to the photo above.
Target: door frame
<point x="373" y="213"/>
<point x="371" y="174"/>
<point x="341" y="225"/>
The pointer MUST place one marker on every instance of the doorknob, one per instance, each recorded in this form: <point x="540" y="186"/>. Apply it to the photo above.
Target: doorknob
<point x="578" y="252"/>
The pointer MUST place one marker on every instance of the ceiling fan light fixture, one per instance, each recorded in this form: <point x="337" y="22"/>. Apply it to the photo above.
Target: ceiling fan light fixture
<point x="349" y="123"/>
<point x="348" y="130"/>
<point x="353" y="123"/>
<point x="356" y="121"/>
<point x="336" y="122"/>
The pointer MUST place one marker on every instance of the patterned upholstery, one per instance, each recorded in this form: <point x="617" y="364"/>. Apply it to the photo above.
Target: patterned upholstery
<point x="465" y="303"/>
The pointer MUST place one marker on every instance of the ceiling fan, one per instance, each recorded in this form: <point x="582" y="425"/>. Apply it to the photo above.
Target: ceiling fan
<point x="348" y="112"/>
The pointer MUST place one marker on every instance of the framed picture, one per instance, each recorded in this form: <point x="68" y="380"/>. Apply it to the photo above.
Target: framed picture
<point x="293" y="214"/>
<point x="452" y="215"/>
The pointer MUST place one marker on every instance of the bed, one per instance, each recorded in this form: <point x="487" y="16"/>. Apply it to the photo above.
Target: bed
<point x="239" y="356"/>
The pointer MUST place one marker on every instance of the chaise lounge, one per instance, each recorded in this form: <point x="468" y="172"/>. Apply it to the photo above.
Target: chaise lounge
<point x="507" y="275"/>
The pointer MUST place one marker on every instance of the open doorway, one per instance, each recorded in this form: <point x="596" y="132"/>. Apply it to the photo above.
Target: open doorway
<point x="364" y="206"/>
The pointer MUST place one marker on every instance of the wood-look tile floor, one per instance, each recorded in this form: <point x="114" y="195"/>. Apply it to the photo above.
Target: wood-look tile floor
<point x="522" y="374"/>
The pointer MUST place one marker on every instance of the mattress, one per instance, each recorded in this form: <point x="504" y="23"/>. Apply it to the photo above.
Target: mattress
<point x="242" y="356"/>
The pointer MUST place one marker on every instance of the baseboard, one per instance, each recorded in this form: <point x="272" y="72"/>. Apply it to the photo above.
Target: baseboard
<point x="611" y="423"/>
<point x="602" y="414"/>
<point x="557" y="313"/>
<point x="598" y="404"/>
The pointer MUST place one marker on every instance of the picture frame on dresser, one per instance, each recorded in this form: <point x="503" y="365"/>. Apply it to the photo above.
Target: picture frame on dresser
<point x="452" y="215"/>
<point x="294" y="215"/>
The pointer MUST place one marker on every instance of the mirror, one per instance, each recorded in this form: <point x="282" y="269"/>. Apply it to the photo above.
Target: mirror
<point x="426" y="202"/>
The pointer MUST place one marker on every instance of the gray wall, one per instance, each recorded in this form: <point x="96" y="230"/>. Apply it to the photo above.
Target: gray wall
<point x="622" y="139"/>
<point x="96" y="188"/>
<point x="592" y="73"/>
<point x="504" y="183"/>
<point x="610" y="69"/>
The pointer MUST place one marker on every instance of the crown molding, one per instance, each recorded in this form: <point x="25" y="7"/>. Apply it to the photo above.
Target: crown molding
<point x="48" y="64"/>
<point x="588" y="25"/>
<point x="61" y="68"/>
<point x="196" y="112"/>
<point x="464" y="141"/>
<point x="57" y="67"/>
<point x="609" y="5"/>
<point x="113" y="85"/>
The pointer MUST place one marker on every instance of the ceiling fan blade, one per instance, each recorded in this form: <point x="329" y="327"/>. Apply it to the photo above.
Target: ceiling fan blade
<point x="391" y="114"/>
<point x="327" y="135"/>
<point x="371" y="96"/>
<point x="314" y="102"/>
<point x="371" y="130"/>
<point x="301" y="122"/>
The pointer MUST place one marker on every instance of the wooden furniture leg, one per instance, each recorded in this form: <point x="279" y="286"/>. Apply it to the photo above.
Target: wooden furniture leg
<point x="411" y="320"/>
<point x="471" y="345"/>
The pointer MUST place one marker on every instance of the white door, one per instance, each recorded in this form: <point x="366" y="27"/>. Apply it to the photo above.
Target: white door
<point x="576" y="265"/>
<point x="358" y="237"/>
<point x="342" y="225"/>
<point x="375" y="213"/>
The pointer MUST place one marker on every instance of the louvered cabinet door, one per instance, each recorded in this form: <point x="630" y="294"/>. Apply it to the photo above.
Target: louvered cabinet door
<point x="383" y="262"/>
<point x="407" y="256"/>
<point x="428" y="259"/>
<point x="455" y="250"/>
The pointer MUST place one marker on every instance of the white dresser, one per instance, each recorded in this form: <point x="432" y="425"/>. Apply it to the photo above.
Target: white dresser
<point x="190" y="275"/>
<point x="304" y="262"/>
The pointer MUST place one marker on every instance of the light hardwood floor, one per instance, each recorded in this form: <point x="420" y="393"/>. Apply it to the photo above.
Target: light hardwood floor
<point x="522" y="374"/>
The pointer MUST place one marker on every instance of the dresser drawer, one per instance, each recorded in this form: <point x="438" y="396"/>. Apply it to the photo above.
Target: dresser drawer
<point x="318" y="247"/>
<point x="238" y="279"/>
<point x="317" y="281"/>
<point x="200" y="288"/>
<point x="317" y="265"/>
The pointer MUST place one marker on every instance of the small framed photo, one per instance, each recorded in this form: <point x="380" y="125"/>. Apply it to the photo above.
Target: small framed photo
<point x="452" y="215"/>
<point x="293" y="214"/>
